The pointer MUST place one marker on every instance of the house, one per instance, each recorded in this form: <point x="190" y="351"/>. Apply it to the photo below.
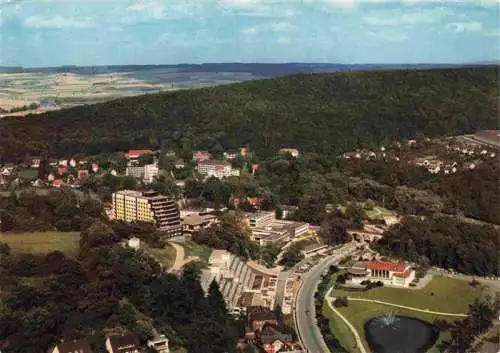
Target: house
<point x="134" y="243"/>
<point x="63" y="162"/>
<point x="244" y="151"/>
<point x="53" y="162"/>
<point x="6" y="171"/>
<point x="412" y="142"/>
<point x="125" y="343"/>
<point x="113" y="172"/>
<point x="160" y="344"/>
<point x="35" y="162"/>
<point x="255" y="168"/>
<point x="179" y="164"/>
<point x="270" y="333"/>
<point x="37" y="183"/>
<point x="201" y="156"/>
<point x="195" y="222"/>
<point x="57" y="183"/>
<point x="75" y="346"/>
<point x="95" y="167"/>
<point x="135" y="154"/>
<point x="61" y="171"/>
<point x="231" y="154"/>
<point x="293" y="151"/>
<point x="72" y="163"/>
<point x="82" y="174"/>
<point x="256" y="320"/>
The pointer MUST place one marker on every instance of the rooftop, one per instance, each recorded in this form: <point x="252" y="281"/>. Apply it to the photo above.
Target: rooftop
<point x="387" y="266"/>
<point x="80" y="346"/>
<point x="215" y="162"/>
<point x="137" y="153"/>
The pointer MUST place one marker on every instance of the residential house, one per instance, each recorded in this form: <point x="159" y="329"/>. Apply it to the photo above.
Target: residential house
<point x="201" y="156"/>
<point x="61" y="171"/>
<point x="244" y="151"/>
<point x="269" y="334"/>
<point x="82" y="174"/>
<point x="179" y="164"/>
<point x="75" y="346"/>
<point x="256" y="320"/>
<point x="57" y="183"/>
<point x="135" y="154"/>
<point x="230" y="154"/>
<point x="255" y="168"/>
<point x="50" y="177"/>
<point x="6" y="171"/>
<point x="194" y="222"/>
<point x="113" y="172"/>
<point x="63" y="162"/>
<point x="159" y="344"/>
<point x="95" y="167"/>
<point x="293" y="151"/>
<point x="124" y="343"/>
<point x="72" y="163"/>
<point x="35" y="162"/>
<point x="412" y="142"/>
<point x="53" y="162"/>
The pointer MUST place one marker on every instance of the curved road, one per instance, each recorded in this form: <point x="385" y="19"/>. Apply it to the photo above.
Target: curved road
<point x="305" y="316"/>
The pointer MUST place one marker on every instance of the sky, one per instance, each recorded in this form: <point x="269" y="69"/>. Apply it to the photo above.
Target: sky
<point x="41" y="33"/>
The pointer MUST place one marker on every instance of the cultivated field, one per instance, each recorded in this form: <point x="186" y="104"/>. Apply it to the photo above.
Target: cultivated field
<point x="42" y="242"/>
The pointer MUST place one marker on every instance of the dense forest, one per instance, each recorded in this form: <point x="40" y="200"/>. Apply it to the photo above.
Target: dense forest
<point x="446" y="242"/>
<point x="105" y="288"/>
<point x="322" y="113"/>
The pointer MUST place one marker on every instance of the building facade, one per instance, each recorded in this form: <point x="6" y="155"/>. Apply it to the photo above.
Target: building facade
<point x="388" y="272"/>
<point x="148" y="206"/>
<point x="217" y="169"/>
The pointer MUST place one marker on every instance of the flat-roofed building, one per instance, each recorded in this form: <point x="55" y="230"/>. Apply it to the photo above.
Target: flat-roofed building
<point x="148" y="206"/>
<point x="216" y="168"/>
<point x="259" y="219"/>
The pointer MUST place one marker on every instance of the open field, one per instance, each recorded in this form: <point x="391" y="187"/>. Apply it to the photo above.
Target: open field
<point x="193" y="249"/>
<point x="358" y="313"/>
<point x="42" y="242"/>
<point x="165" y="256"/>
<point x="435" y="296"/>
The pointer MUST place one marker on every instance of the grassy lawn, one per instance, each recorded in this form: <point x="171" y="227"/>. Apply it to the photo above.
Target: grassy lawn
<point x="358" y="313"/>
<point x="193" y="249"/>
<point x="340" y="330"/>
<point x="435" y="296"/>
<point x="42" y="242"/>
<point x="166" y="255"/>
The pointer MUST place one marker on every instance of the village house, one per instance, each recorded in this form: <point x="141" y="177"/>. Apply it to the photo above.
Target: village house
<point x="62" y="170"/>
<point x="194" y="222"/>
<point x="201" y="156"/>
<point x="273" y="338"/>
<point x="72" y="163"/>
<point x="159" y="344"/>
<point x="95" y="167"/>
<point x="82" y="174"/>
<point x="257" y="319"/>
<point x="57" y="183"/>
<point x="179" y="164"/>
<point x="35" y="162"/>
<point x="124" y="343"/>
<point x="293" y="151"/>
<point x="63" y="162"/>
<point x="231" y="154"/>
<point x="75" y="346"/>
<point x="135" y="154"/>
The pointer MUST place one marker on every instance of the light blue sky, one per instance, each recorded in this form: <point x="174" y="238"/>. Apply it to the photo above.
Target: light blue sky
<point x="105" y="32"/>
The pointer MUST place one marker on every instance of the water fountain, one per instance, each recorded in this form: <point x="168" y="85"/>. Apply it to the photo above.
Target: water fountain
<point x="412" y="336"/>
<point x="388" y="319"/>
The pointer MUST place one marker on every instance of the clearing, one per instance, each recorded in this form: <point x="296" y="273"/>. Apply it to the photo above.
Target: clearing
<point x="42" y="242"/>
<point x="165" y="256"/>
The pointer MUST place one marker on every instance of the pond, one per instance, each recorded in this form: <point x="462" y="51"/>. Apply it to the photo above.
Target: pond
<point x="389" y="333"/>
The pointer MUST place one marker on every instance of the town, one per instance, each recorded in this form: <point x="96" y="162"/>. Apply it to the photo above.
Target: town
<point x="272" y="291"/>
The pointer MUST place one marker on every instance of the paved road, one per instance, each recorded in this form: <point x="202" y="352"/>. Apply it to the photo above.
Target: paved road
<point x="305" y="323"/>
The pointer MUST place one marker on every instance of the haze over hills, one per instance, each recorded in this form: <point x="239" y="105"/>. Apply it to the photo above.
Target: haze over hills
<point x="325" y="113"/>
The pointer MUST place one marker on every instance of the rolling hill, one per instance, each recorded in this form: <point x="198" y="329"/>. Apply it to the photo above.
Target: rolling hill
<point x="321" y="112"/>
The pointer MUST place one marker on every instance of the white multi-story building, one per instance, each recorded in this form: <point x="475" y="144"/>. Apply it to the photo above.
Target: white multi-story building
<point x="146" y="173"/>
<point x="216" y="168"/>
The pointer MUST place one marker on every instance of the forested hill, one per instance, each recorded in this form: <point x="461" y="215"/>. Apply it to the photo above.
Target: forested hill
<point x="324" y="113"/>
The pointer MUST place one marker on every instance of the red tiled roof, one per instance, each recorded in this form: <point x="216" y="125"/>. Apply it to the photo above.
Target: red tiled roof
<point x="58" y="182"/>
<point x="387" y="266"/>
<point x="139" y="152"/>
<point x="62" y="170"/>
